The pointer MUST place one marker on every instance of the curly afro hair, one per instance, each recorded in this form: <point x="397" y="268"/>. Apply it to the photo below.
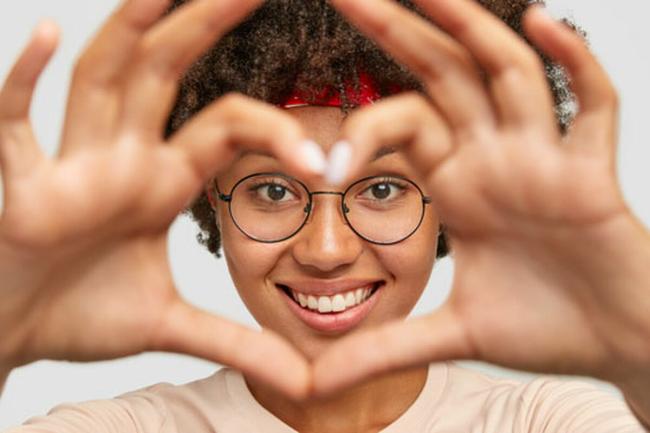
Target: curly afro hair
<point x="307" y="45"/>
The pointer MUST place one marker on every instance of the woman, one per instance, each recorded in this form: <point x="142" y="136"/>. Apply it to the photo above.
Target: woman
<point x="524" y="228"/>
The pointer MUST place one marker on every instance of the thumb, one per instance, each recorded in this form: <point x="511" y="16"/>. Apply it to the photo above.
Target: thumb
<point x="263" y="355"/>
<point x="392" y="346"/>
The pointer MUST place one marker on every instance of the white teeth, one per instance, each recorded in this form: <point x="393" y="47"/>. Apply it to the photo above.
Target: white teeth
<point x="337" y="303"/>
<point x="350" y="299"/>
<point x="324" y="304"/>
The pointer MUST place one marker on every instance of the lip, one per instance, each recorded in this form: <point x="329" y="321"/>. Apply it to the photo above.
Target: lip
<point x="334" y="322"/>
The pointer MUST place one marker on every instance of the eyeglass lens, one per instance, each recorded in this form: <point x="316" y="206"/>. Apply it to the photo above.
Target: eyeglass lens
<point x="381" y="209"/>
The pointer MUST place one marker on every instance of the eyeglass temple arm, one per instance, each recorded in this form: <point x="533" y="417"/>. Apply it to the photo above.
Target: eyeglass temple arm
<point x="222" y="196"/>
<point x="427" y="200"/>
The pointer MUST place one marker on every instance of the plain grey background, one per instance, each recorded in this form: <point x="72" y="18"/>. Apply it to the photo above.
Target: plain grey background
<point x="619" y="35"/>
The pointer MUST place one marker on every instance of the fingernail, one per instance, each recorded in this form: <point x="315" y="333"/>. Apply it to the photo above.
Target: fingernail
<point x="313" y="157"/>
<point x="338" y="163"/>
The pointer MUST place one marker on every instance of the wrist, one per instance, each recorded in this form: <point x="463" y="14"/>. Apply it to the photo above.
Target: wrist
<point x="629" y="369"/>
<point x="619" y="278"/>
<point x="637" y="397"/>
<point x="4" y="374"/>
<point x="21" y="278"/>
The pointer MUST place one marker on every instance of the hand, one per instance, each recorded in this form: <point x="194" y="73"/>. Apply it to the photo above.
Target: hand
<point x="546" y="251"/>
<point x="83" y="236"/>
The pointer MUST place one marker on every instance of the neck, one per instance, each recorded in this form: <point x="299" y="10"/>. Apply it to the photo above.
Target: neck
<point x="368" y="407"/>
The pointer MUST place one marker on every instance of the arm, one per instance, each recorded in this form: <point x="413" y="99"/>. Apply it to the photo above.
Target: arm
<point x="632" y="376"/>
<point x="4" y="374"/>
<point x="550" y="277"/>
<point x="84" y="274"/>
<point x="639" y="402"/>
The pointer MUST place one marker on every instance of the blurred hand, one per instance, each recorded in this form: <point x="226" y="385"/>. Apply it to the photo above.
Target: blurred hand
<point x="551" y="267"/>
<point x="83" y="236"/>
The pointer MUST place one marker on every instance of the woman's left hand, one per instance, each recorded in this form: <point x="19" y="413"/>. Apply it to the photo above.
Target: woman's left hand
<point x="552" y="269"/>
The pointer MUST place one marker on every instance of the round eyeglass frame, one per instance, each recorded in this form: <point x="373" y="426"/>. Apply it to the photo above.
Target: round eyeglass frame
<point x="309" y="206"/>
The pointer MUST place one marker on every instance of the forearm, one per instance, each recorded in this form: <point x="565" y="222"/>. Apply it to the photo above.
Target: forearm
<point x="6" y="270"/>
<point x="19" y="277"/>
<point x="637" y="397"/>
<point x="632" y="375"/>
<point x="4" y="374"/>
<point x="14" y="279"/>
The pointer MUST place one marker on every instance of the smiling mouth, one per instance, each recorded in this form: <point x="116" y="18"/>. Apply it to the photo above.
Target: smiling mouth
<point x="333" y="304"/>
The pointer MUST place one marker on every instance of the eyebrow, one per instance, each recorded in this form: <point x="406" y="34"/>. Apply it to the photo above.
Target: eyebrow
<point x="381" y="152"/>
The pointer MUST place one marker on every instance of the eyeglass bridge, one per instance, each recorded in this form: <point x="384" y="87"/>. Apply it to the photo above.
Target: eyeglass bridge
<point x="308" y="206"/>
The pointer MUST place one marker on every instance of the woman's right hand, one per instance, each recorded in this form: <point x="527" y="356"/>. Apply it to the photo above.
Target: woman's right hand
<point x="83" y="235"/>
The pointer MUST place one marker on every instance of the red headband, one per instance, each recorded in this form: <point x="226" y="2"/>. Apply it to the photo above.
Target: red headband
<point x="328" y="97"/>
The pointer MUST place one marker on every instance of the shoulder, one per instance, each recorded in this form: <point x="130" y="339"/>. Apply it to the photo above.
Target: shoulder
<point x="543" y="403"/>
<point x="158" y="408"/>
<point x="193" y="405"/>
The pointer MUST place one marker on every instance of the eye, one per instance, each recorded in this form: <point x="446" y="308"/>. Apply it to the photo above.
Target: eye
<point x="273" y="192"/>
<point x="384" y="190"/>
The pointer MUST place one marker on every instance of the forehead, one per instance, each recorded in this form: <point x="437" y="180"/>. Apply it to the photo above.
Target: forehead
<point x="322" y="124"/>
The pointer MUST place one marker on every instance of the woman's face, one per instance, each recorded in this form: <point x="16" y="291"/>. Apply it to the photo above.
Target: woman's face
<point x="326" y="257"/>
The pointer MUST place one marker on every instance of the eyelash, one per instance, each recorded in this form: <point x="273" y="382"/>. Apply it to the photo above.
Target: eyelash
<point x="389" y="180"/>
<point x="258" y="184"/>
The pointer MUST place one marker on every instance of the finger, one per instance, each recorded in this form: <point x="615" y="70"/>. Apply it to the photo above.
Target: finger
<point x="167" y="52"/>
<point x="407" y="122"/>
<point x="515" y="72"/>
<point x="18" y="89"/>
<point x="262" y="355"/>
<point x="211" y="139"/>
<point x="392" y="346"/>
<point x="445" y="67"/>
<point x="94" y="91"/>
<point x="597" y="122"/>
<point x="18" y="146"/>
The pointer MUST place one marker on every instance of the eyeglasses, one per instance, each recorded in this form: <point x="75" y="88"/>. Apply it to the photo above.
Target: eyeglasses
<point x="273" y="207"/>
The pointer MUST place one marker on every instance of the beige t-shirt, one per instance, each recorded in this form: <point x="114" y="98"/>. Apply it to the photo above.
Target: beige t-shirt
<point x="453" y="400"/>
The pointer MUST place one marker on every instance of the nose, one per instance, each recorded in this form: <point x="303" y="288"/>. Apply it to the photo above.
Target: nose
<point x="326" y="243"/>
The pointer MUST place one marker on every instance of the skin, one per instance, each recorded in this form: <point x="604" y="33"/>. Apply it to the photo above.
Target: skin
<point x="327" y="249"/>
<point x="548" y="256"/>
<point x="59" y="256"/>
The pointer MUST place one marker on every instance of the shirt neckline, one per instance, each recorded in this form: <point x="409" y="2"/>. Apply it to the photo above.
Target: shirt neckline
<point x="413" y="419"/>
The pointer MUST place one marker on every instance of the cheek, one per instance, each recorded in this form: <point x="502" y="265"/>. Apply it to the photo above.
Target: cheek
<point x="414" y="257"/>
<point x="249" y="263"/>
<point x="410" y="264"/>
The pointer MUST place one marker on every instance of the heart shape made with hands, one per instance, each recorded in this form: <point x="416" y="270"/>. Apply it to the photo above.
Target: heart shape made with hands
<point x="522" y="204"/>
